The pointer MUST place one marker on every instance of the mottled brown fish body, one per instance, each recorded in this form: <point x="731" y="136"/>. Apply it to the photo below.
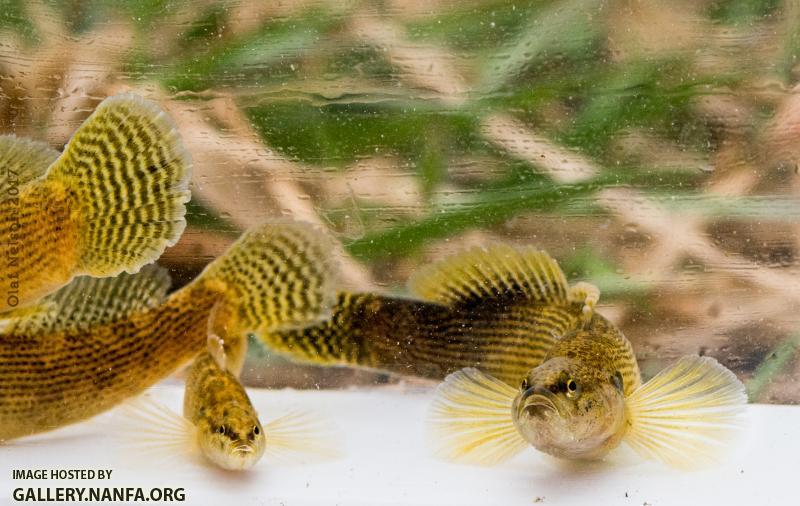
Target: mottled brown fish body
<point x="52" y="380"/>
<point x="106" y="340"/>
<point x="208" y="387"/>
<point x="38" y="243"/>
<point x="225" y="423"/>
<point x="603" y="350"/>
<point x="429" y="340"/>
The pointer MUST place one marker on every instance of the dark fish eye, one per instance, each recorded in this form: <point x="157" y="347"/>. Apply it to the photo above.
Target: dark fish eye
<point x="256" y="430"/>
<point x="221" y="429"/>
<point x="572" y="389"/>
<point x="524" y="385"/>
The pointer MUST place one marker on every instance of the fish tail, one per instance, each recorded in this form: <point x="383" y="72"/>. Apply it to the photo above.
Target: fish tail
<point x="276" y="276"/>
<point x="127" y="174"/>
<point x="686" y="415"/>
<point x="338" y="340"/>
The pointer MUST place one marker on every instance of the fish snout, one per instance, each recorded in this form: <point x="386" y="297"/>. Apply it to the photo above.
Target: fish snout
<point x="243" y="449"/>
<point x="537" y="402"/>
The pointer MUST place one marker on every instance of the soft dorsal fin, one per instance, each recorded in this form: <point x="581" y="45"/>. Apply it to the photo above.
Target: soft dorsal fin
<point x="496" y="272"/>
<point x="23" y="160"/>
<point x="89" y="301"/>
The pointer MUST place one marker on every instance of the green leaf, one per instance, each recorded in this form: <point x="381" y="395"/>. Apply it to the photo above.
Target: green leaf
<point x="563" y="28"/>
<point x="775" y="362"/>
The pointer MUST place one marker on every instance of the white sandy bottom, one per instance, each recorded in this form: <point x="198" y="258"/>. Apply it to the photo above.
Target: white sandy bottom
<point x="386" y="461"/>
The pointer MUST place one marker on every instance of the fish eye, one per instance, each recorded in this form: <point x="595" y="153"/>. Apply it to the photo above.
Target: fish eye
<point x="221" y="429"/>
<point x="256" y="430"/>
<point x="524" y="385"/>
<point x="572" y="389"/>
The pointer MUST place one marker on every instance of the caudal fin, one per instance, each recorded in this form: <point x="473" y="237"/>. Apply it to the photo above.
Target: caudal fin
<point x="687" y="414"/>
<point x="128" y="174"/>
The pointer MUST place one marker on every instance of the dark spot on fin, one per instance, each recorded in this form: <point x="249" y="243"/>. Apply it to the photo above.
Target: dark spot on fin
<point x="499" y="272"/>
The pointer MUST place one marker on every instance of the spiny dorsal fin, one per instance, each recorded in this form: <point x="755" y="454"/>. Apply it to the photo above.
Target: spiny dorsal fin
<point x="470" y="419"/>
<point x="88" y="301"/>
<point x="497" y="272"/>
<point x="22" y="161"/>
<point x="686" y="415"/>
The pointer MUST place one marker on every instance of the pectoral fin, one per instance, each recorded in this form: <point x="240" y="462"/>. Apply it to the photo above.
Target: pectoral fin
<point x="470" y="419"/>
<point x="150" y="427"/>
<point x="687" y="414"/>
<point x="300" y="437"/>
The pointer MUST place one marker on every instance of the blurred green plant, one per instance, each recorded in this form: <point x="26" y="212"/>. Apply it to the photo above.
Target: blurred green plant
<point x="772" y="366"/>
<point x="320" y="92"/>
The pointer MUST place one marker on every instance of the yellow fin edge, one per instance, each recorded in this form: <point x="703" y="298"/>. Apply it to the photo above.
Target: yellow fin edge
<point x="687" y="415"/>
<point x="470" y="419"/>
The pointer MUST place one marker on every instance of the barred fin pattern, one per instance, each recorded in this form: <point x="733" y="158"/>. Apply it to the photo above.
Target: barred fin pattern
<point x="128" y="174"/>
<point x="496" y="272"/>
<point x="278" y="276"/>
<point x="57" y="378"/>
<point x="88" y="301"/>
<point x="22" y="161"/>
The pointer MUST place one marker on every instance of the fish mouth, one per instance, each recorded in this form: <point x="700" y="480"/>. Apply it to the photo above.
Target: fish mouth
<point x="243" y="449"/>
<point x="537" y="403"/>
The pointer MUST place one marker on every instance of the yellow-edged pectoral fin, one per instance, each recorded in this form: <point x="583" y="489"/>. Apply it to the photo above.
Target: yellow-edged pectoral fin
<point x="300" y="437"/>
<point x="687" y="414"/>
<point x="470" y="419"/>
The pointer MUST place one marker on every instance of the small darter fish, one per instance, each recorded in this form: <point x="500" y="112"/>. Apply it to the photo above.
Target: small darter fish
<point x="508" y="316"/>
<point x="110" y="339"/>
<point x="220" y="423"/>
<point x="111" y="202"/>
